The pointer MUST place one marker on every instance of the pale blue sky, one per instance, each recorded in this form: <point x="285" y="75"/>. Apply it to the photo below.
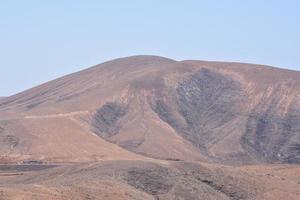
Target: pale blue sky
<point x="42" y="40"/>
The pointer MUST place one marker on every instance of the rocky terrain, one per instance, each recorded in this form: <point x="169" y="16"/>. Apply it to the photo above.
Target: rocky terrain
<point x="149" y="180"/>
<point x="148" y="127"/>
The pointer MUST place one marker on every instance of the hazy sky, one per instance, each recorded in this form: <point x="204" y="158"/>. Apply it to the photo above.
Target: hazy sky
<point x="42" y="40"/>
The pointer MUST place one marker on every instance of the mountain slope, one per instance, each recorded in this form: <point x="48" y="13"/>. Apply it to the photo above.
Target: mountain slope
<point x="147" y="180"/>
<point x="157" y="107"/>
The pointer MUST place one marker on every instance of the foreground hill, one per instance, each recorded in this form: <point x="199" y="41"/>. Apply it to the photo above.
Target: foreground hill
<point x="159" y="108"/>
<point x="116" y="180"/>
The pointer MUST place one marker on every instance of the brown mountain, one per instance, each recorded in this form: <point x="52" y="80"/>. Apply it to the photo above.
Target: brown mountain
<point x="166" y="115"/>
<point x="161" y="108"/>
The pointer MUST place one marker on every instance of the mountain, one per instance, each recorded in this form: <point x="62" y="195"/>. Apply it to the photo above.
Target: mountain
<point x="161" y="108"/>
<point x="149" y="123"/>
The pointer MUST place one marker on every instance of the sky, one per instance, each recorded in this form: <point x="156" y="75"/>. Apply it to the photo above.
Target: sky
<point x="43" y="40"/>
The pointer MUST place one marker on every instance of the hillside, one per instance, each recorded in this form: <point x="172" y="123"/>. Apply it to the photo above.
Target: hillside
<point x="148" y="127"/>
<point x="159" y="108"/>
<point x="119" y="180"/>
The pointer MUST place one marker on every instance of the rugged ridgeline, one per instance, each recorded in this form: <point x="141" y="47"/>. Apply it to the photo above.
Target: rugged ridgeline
<point x="148" y="106"/>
